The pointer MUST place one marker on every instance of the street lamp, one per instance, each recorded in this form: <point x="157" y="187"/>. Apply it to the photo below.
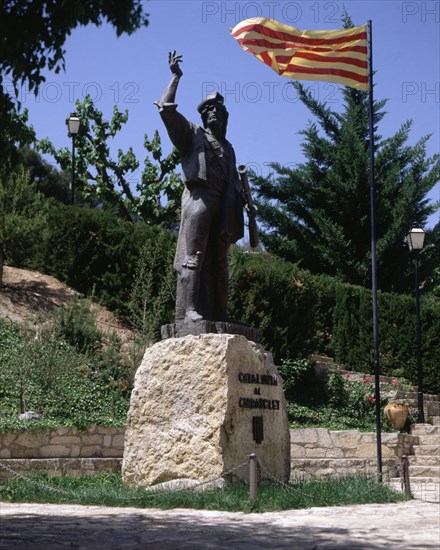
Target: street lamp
<point x="416" y="240"/>
<point x="73" y="123"/>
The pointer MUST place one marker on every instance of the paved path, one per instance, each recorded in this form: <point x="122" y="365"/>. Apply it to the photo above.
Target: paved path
<point x="412" y="525"/>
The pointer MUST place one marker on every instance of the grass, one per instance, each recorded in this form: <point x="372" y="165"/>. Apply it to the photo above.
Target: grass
<point x="10" y="424"/>
<point x="108" y="490"/>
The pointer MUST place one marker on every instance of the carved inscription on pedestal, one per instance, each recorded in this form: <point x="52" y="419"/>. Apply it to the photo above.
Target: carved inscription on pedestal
<point x="258" y="402"/>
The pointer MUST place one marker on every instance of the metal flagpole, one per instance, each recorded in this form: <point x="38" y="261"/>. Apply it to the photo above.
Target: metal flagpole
<point x="373" y="255"/>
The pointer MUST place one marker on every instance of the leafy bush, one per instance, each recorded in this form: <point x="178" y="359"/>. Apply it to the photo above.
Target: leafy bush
<point x="349" y="403"/>
<point x="337" y="391"/>
<point x="128" y="267"/>
<point x="23" y="223"/>
<point x="276" y="297"/>
<point x="299" y="313"/>
<point x="300" y="382"/>
<point x="53" y="378"/>
<point x="358" y="401"/>
<point x="97" y="253"/>
<point x="153" y="292"/>
<point x="76" y="325"/>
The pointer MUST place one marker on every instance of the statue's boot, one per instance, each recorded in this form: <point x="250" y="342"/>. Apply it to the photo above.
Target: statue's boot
<point x="192" y="295"/>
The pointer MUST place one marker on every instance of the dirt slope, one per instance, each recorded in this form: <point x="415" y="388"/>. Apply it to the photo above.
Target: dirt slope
<point x="29" y="297"/>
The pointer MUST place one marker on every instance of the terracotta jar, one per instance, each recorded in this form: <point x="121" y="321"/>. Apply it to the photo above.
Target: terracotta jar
<point x="396" y="414"/>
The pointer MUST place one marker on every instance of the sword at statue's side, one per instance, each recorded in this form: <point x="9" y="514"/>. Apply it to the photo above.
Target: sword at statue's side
<point x="251" y="208"/>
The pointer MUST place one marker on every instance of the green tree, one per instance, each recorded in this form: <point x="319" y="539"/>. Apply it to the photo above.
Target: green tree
<point x="153" y="293"/>
<point x="352" y="322"/>
<point x="436" y="289"/>
<point x="431" y="256"/>
<point x="97" y="253"/>
<point x="318" y="213"/>
<point x="22" y="220"/>
<point x="33" y="35"/>
<point x="105" y="180"/>
<point x="48" y="180"/>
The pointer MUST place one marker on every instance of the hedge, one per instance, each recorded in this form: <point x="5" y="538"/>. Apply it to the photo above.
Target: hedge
<point x="99" y="254"/>
<point x="299" y="313"/>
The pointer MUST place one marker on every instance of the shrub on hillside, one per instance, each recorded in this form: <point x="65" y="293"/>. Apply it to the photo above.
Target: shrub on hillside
<point x="154" y="287"/>
<point x="128" y="268"/>
<point x="277" y="298"/>
<point x="98" y="253"/>
<point x="299" y="313"/>
<point x="48" y="375"/>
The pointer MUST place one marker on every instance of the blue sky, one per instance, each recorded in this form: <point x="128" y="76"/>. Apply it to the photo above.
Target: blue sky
<point x="265" y="116"/>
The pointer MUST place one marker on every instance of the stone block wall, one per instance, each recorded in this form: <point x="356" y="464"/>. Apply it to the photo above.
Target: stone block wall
<point x="319" y="452"/>
<point x="324" y="443"/>
<point x="315" y="452"/>
<point x="58" y="467"/>
<point x="94" y="442"/>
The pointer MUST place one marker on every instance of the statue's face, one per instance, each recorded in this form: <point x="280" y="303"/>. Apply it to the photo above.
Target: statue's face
<point x="215" y="116"/>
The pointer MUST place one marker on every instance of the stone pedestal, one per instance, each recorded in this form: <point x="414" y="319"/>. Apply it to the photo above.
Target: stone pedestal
<point x="200" y="405"/>
<point x="185" y="328"/>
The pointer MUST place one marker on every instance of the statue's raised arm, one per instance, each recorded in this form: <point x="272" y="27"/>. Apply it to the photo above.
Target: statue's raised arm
<point x="169" y="95"/>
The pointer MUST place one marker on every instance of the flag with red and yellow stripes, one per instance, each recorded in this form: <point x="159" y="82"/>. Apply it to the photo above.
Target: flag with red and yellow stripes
<point x="330" y="56"/>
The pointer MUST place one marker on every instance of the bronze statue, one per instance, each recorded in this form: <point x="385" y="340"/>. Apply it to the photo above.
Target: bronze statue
<point x="212" y="203"/>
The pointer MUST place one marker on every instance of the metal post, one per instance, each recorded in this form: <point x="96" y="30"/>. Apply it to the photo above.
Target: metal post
<point x="421" y="414"/>
<point x="404" y="473"/>
<point x="72" y="190"/>
<point x="253" y="478"/>
<point x="373" y="256"/>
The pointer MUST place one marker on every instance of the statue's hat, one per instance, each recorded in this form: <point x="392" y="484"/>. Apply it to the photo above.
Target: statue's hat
<point x="211" y="99"/>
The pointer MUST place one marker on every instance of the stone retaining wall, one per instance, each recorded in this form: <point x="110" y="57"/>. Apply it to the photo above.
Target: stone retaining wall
<point x="94" y="442"/>
<point x="324" y="443"/>
<point x="315" y="452"/>
<point x="57" y="467"/>
<point x="318" y="452"/>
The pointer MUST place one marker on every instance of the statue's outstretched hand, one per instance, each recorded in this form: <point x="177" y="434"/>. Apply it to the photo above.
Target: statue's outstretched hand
<point x="173" y="61"/>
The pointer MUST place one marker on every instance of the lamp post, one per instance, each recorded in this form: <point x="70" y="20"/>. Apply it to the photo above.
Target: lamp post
<point x="73" y="123"/>
<point x="416" y="239"/>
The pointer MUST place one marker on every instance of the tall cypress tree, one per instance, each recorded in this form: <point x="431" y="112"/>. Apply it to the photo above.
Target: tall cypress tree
<point x="318" y="213"/>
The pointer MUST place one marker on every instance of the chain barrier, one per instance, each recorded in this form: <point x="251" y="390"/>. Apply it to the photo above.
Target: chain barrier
<point x="221" y="476"/>
<point x="291" y="488"/>
<point x="34" y="482"/>
<point x="163" y="492"/>
<point x="287" y="487"/>
<point x="158" y="492"/>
